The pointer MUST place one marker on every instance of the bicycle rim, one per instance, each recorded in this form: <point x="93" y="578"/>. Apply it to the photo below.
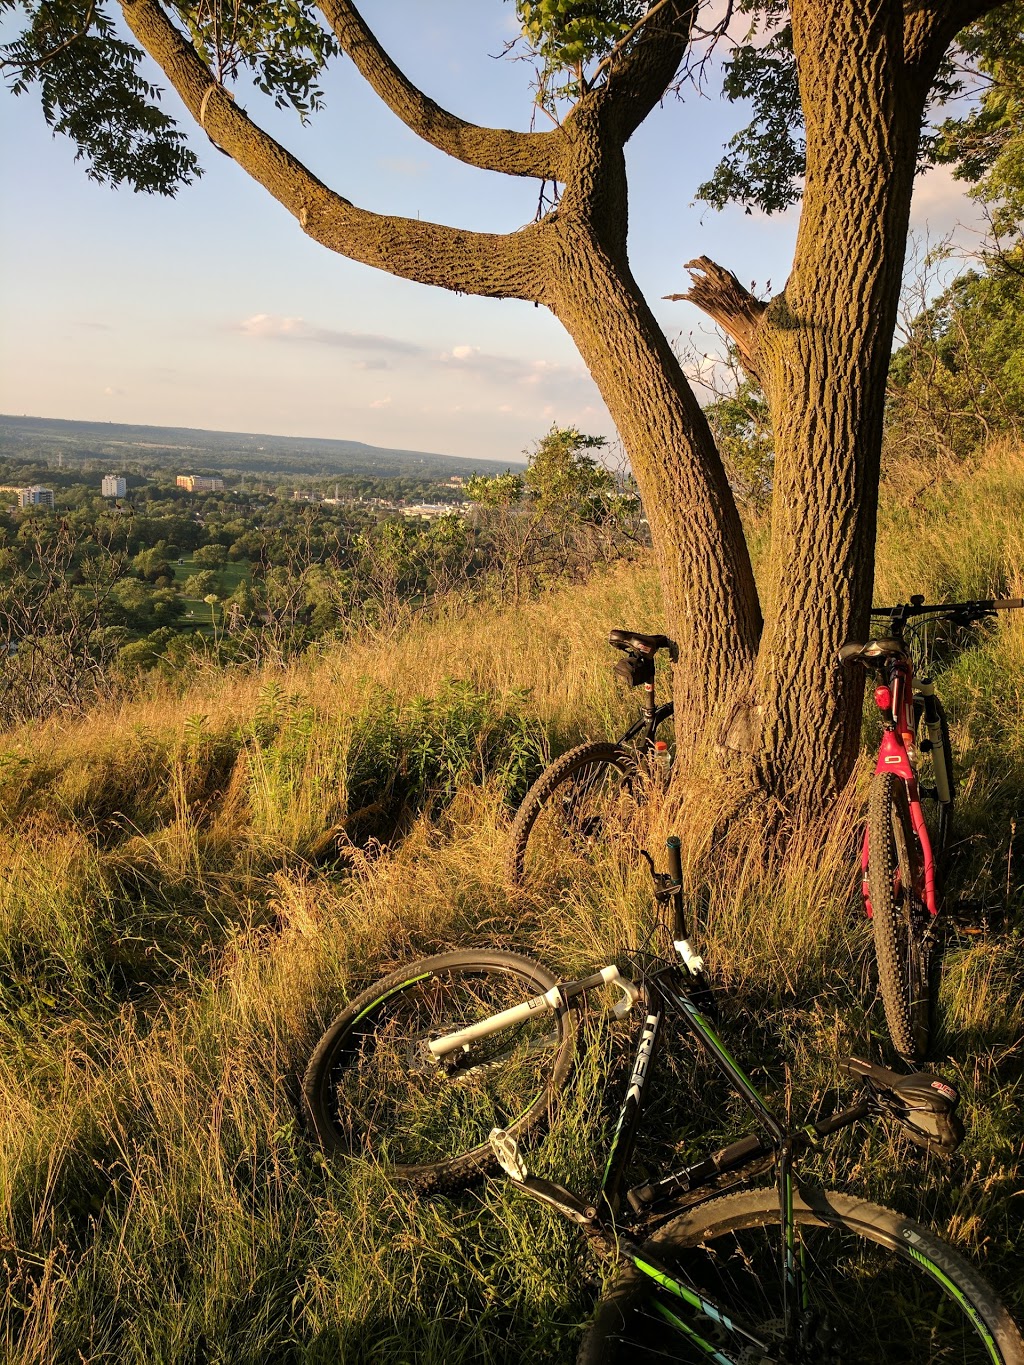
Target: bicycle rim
<point x="580" y="803"/>
<point x="901" y="922"/>
<point x="374" y="1089"/>
<point x="879" y="1289"/>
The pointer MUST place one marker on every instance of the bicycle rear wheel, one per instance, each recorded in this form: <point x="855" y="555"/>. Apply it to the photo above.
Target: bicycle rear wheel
<point x="901" y="921"/>
<point x="569" y="809"/>
<point x="373" y="1089"/>
<point x="880" y="1289"/>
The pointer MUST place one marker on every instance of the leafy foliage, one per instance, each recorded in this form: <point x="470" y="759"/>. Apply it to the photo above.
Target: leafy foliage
<point x="764" y="162"/>
<point x="986" y="147"/>
<point x="959" y="378"/>
<point x="282" y="44"/>
<point x="566" y="35"/>
<point x="93" y="91"/>
<point x="742" y="428"/>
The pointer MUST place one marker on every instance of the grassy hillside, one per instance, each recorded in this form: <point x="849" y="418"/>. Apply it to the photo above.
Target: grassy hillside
<point x="192" y="884"/>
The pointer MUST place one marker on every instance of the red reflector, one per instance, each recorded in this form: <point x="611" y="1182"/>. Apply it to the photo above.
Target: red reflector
<point x="883" y="698"/>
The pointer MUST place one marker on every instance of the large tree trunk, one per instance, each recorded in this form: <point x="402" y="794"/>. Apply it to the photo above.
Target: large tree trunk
<point x="821" y="348"/>
<point x="710" y="598"/>
<point x="822" y="353"/>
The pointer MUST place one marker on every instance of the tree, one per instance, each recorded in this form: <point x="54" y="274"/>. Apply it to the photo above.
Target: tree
<point x="958" y="378"/>
<point x="863" y="71"/>
<point x="199" y="585"/>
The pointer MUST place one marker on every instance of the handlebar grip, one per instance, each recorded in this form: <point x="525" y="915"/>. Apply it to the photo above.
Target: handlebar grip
<point x="675" y="862"/>
<point x="1005" y="603"/>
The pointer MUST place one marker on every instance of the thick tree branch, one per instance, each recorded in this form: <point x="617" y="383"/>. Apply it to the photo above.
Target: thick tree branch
<point x="638" y="78"/>
<point x="929" y="26"/>
<point x="492" y="149"/>
<point x="717" y="292"/>
<point x="512" y="265"/>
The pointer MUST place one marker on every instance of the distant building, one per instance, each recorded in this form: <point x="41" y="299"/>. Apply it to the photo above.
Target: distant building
<point x="35" y="497"/>
<point x="310" y="495"/>
<point x="429" y="510"/>
<point x="114" y="486"/>
<point x="456" y="481"/>
<point x="199" y="483"/>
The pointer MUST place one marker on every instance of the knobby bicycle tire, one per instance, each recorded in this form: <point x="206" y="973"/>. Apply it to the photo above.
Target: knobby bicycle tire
<point x="372" y="1089"/>
<point x="882" y="1289"/>
<point x="901" y="922"/>
<point x="567" y="810"/>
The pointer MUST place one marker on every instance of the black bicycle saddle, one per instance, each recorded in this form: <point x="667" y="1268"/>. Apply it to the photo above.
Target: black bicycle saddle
<point x="643" y="644"/>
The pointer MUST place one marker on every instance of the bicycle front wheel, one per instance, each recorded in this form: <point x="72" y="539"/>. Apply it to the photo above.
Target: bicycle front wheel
<point x="374" y="1089"/>
<point x="878" y="1287"/>
<point x="570" y="809"/>
<point x="901" y="921"/>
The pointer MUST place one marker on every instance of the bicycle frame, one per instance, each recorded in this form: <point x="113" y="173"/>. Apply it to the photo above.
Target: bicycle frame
<point x="650" y="719"/>
<point x="671" y="988"/>
<point x="895" y="699"/>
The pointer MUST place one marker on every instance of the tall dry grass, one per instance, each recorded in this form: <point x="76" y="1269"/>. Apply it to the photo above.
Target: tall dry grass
<point x="171" y="948"/>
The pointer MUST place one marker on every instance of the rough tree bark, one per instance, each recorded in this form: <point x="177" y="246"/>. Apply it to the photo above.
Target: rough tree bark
<point x="820" y="349"/>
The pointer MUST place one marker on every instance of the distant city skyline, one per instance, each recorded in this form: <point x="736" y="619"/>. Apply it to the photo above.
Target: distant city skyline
<point x="213" y="311"/>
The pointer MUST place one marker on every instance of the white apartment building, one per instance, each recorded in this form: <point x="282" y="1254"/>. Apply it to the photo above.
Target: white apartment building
<point x="114" y="485"/>
<point x="35" y="497"/>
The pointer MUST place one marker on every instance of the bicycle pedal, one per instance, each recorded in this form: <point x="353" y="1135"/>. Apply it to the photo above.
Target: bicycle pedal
<point x="506" y="1150"/>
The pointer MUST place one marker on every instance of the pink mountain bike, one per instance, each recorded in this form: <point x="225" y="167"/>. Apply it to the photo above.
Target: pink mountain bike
<point x="910" y="815"/>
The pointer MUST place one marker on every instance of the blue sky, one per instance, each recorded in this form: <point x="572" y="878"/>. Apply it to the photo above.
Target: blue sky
<point x="213" y="310"/>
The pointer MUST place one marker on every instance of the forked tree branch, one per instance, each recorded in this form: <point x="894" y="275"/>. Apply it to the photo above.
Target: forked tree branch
<point x="717" y="292"/>
<point x="492" y="149"/>
<point x="929" y="26"/>
<point x="511" y="265"/>
<point x="638" y="78"/>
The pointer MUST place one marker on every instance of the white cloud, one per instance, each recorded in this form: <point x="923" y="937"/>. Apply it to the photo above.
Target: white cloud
<point x="381" y="402"/>
<point x="267" y="326"/>
<point x="941" y="207"/>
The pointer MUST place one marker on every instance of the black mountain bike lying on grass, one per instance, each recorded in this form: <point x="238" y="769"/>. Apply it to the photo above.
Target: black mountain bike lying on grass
<point x="439" y="1069"/>
<point x="569" y="805"/>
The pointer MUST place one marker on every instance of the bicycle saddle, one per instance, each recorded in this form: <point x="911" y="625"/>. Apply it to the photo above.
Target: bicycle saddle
<point x="923" y="1103"/>
<point x="643" y="644"/>
<point x="872" y="650"/>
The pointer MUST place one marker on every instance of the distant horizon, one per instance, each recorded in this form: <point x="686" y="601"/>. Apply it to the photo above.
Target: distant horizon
<point x="11" y="418"/>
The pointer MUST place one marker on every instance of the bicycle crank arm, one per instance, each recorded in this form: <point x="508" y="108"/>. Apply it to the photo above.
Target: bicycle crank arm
<point x="569" y="1205"/>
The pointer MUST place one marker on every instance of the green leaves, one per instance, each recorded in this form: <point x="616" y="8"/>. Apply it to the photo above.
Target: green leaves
<point x="566" y="35"/>
<point x="986" y="147"/>
<point x="92" y="91"/>
<point x="764" y="162"/>
<point x="281" y="44"/>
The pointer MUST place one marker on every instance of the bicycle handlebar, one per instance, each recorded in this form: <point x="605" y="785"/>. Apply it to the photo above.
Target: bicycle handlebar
<point x="965" y="611"/>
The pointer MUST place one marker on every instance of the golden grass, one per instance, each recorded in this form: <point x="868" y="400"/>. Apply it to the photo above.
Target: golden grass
<point x="169" y="954"/>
